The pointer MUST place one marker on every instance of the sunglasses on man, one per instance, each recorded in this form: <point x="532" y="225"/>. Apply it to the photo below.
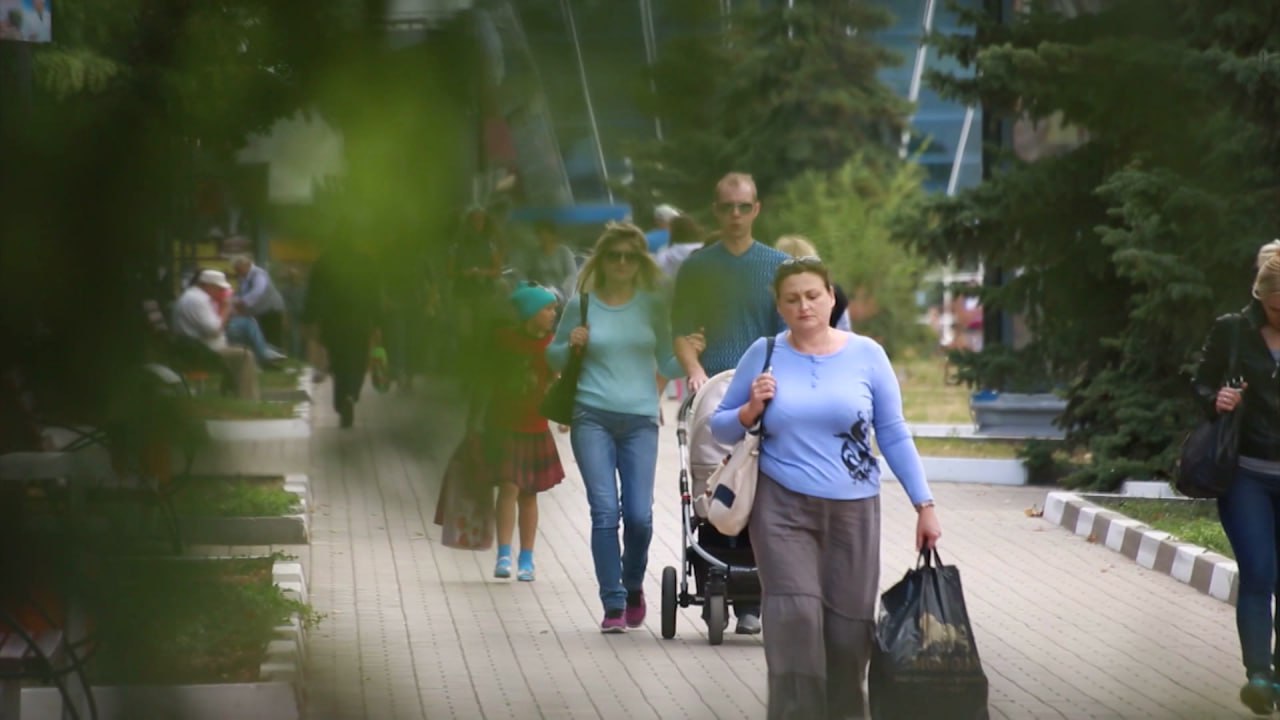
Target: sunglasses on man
<point x="741" y="208"/>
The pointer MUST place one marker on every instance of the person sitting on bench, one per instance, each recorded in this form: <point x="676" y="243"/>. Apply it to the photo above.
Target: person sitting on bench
<point x="195" y="315"/>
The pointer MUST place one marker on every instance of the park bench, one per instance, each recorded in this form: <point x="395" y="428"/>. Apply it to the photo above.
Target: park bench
<point x="44" y="656"/>
<point x="194" y="363"/>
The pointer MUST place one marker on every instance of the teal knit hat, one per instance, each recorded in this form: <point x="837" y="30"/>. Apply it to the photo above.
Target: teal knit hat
<point x="529" y="298"/>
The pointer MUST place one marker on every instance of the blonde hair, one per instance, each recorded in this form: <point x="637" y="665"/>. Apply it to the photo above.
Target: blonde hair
<point x="630" y="237"/>
<point x="1266" y="252"/>
<point x="1268" y="280"/>
<point x="796" y="246"/>
<point x="737" y="179"/>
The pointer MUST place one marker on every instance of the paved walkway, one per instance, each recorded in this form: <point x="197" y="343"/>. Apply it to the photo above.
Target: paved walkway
<point x="1066" y="628"/>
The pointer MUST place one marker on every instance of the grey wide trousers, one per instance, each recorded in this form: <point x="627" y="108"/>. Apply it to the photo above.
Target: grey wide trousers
<point x="819" y="564"/>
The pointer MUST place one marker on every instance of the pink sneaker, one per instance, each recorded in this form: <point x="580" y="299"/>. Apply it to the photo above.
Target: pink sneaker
<point x="613" y="623"/>
<point x="635" y="612"/>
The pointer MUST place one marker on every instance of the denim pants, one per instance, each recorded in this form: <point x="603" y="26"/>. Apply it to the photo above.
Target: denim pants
<point x="617" y="450"/>
<point x="244" y="330"/>
<point x="1249" y="513"/>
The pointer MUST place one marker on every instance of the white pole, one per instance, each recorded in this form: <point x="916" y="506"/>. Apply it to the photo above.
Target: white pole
<point x="960" y="148"/>
<point x="917" y="71"/>
<point x="567" y="9"/>
<point x="650" y="55"/>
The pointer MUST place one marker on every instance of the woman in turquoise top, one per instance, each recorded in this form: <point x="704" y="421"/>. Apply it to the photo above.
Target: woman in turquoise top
<point x="626" y="342"/>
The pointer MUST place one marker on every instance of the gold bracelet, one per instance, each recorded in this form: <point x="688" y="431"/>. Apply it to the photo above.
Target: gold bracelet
<point x="925" y="504"/>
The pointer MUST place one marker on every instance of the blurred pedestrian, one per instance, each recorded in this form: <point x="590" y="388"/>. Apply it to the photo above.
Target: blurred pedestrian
<point x="342" y="304"/>
<point x="524" y="459"/>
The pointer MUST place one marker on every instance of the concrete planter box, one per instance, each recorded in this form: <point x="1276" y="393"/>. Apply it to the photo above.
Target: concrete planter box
<point x="281" y="530"/>
<point x="297" y="427"/>
<point x="1018" y="415"/>
<point x="278" y="694"/>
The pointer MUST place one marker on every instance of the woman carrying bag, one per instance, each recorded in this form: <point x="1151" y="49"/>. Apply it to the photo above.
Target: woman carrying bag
<point x="815" y="522"/>
<point x="1250" y="507"/>
<point x="614" y="427"/>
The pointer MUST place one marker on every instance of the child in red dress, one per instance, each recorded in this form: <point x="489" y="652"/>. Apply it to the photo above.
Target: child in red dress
<point x="526" y="459"/>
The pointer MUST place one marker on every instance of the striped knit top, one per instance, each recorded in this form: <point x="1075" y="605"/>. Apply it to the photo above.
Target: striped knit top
<point x="727" y="296"/>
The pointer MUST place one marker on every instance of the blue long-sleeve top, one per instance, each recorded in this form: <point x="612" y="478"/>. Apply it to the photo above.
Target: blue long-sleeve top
<point x="817" y="428"/>
<point x="630" y="344"/>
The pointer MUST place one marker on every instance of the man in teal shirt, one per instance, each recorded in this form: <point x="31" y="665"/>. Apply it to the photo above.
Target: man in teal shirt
<point x="722" y="297"/>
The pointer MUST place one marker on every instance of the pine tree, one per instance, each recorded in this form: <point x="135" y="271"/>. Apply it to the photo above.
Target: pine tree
<point x="1126" y="246"/>
<point x="770" y="90"/>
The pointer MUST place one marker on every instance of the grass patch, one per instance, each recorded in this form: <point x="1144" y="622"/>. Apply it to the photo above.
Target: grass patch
<point x="168" y="622"/>
<point x="234" y="497"/>
<point x="958" y="448"/>
<point x="282" y="379"/>
<point x="1189" y="521"/>
<point x="927" y="397"/>
<point x="231" y="408"/>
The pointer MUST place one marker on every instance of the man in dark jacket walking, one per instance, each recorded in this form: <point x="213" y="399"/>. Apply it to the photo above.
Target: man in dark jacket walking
<point x="342" y="303"/>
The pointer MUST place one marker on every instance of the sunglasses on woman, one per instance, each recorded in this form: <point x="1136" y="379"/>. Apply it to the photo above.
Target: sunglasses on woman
<point x="621" y="256"/>
<point x="805" y="261"/>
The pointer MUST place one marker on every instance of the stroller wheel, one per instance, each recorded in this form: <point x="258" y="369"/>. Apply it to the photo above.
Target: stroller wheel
<point x="668" y="602"/>
<point x="717" y="618"/>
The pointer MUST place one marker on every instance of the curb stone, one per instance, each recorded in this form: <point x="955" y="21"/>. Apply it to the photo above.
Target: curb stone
<point x="1206" y="571"/>
<point x="286" y="654"/>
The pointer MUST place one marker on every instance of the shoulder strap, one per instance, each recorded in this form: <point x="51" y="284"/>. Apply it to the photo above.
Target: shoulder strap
<point x="1233" y="369"/>
<point x="584" y="300"/>
<point x="768" y="363"/>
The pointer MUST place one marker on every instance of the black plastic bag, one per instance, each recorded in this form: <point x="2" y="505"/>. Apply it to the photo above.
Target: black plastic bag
<point x="925" y="663"/>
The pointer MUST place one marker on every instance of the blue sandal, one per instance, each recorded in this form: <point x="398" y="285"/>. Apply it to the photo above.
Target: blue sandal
<point x="503" y="568"/>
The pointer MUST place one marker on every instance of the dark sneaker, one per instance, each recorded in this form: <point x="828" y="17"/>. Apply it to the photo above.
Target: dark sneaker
<point x="1258" y="694"/>
<point x="748" y="625"/>
<point x="613" y="623"/>
<point x="635" y="609"/>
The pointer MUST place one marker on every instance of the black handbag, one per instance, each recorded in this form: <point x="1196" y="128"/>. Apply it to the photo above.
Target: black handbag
<point x="1211" y="452"/>
<point x="557" y="404"/>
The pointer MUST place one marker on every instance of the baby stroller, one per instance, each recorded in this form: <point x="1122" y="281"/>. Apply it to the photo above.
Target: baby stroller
<point x="724" y="571"/>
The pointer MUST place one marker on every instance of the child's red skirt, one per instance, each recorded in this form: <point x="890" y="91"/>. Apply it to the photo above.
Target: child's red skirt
<point x="528" y="460"/>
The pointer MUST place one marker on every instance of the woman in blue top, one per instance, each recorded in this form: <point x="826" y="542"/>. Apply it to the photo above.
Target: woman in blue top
<point x="815" y="523"/>
<point x="626" y="341"/>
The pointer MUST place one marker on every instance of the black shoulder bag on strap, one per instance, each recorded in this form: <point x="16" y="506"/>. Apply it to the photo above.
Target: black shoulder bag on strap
<point x="557" y="405"/>
<point x="1211" y="453"/>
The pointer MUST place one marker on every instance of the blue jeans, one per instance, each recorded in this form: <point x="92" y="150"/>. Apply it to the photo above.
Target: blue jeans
<point x="615" y="449"/>
<point x="1249" y="514"/>
<point x="245" y="330"/>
